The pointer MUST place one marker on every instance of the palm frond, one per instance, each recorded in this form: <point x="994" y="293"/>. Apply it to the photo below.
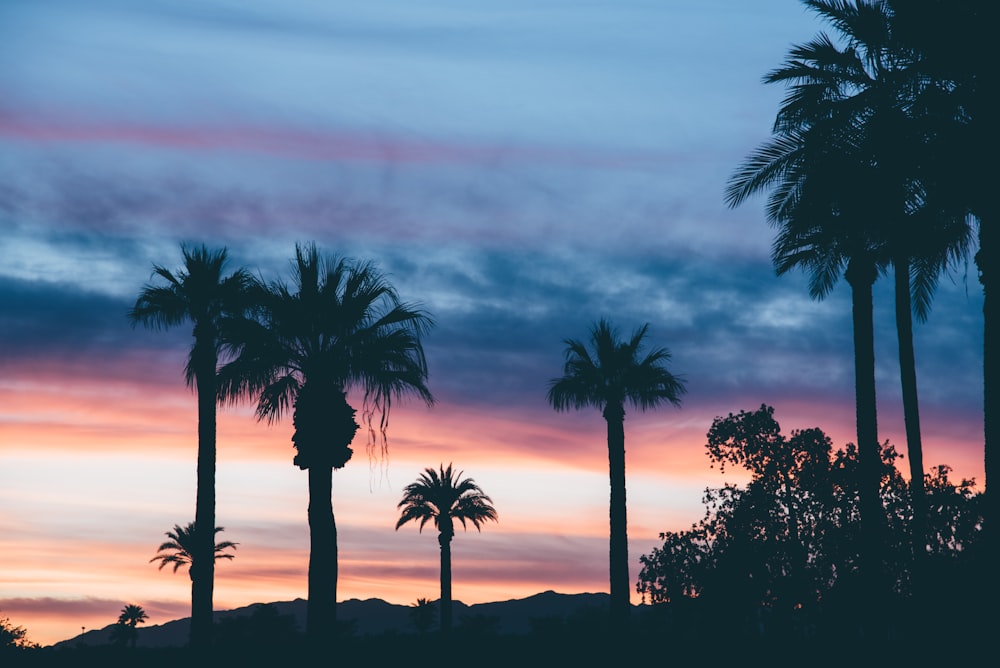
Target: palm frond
<point x="341" y="323"/>
<point x="613" y="372"/>
<point x="179" y="550"/>
<point x="442" y="496"/>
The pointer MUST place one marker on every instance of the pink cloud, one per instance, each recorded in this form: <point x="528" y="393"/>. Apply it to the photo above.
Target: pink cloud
<point x="312" y="145"/>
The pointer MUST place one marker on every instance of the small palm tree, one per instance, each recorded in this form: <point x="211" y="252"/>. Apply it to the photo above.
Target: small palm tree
<point x="611" y="375"/>
<point x="423" y="614"/>
<point x="179" y="550"/>
<point x="125" y="630"/>
<point x="444" y="496"/>
<point x="202" y="294"/>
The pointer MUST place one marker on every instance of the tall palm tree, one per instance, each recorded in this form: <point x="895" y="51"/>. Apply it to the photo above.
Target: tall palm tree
<point x="200" y="293"/>
<point x="341" y="327"/>
<point x="953" y="41"/>
<point x="444" y="496"/>
<point x="179" y="550"/>
<point x="821" y="189"/>
<point x="847" y="199"/>
<point x="611" y="374"/>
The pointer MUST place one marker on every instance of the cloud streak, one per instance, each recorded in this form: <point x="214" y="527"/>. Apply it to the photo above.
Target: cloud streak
<point x="316" y="145"/>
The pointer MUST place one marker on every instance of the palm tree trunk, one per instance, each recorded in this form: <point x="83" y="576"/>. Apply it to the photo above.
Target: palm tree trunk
<point x="911" y="419"/>
<point x="986" y="262"/>
<point x="444" y="540"/>
<point x="861" y="276"/>
<point x="203" y="555"/>
<point x="618" y="550"/>
<point x="321" y="608"/>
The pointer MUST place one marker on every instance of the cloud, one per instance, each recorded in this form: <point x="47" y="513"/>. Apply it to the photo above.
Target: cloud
<point x="326" y="145"/>
<point x="61" y="608"/>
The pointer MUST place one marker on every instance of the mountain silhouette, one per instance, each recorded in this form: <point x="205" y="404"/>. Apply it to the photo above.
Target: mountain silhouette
<point x="371" y="616"/>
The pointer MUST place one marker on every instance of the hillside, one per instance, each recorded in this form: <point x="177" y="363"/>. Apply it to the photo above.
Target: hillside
<point x="372" y="617"/>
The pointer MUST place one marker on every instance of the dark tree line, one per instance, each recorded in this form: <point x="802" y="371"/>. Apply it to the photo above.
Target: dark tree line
<point x="784" y="551"/>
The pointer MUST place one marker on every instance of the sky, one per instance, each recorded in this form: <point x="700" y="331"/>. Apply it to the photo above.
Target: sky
<point x="519" y="168"/>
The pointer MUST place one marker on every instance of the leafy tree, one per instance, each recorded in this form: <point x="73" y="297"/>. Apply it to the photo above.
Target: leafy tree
<point x="788" y="543"/>
<point x="341" y="327"/>
<point x="614" y="372"/>
<point x="444" y="496"/>
<point x="179" y="550"/>
<point x="13" y="637"/>
<point x="126" y="629"/>
<point x="203" y="294"/>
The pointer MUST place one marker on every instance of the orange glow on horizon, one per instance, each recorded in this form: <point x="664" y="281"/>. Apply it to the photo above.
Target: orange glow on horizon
<point x="104" y="467"/>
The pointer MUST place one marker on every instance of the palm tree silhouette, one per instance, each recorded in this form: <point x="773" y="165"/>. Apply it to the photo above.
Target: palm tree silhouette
<point x="423" y="614"/>
<point x="131" y="616"/>
<point x="955" y="46"/>
<point x="607" y="378"/>
<point x="202" y="294"/>
<point x="444" y="496"/>
<point x="821" y="206"/>
<point x="179" y="550"/>
<point x="342" y="328"/>
<point x="846" y="199"/>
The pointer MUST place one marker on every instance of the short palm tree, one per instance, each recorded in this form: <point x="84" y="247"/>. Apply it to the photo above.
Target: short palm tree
<point x="341" y="327"/>
<point x="423" y="614"/>
<point x="444" y="496"/>
<point x="203" y="294"/>
<point x="179" y="550"/>
<point x="606" y="377"/>
<point x="126" y="629"/>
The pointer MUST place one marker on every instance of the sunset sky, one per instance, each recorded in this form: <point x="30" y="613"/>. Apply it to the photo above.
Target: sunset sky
<point x="520" y="168"/>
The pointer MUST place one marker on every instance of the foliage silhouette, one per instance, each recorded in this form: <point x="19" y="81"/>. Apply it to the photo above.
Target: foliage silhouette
<point x="781" y="556"/>
<point x="202" y="294"/>
<point x="340" y="327"/>
<point x="443" y="496"/>
<point x="607" y="377"/>
<point x="13" y="638"/>
<point x="179" y="550"/>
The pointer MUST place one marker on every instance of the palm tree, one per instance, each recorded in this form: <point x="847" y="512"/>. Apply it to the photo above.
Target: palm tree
<point x="846" y="199"/>
<point x="342" y="327"/>
<point x="202" y="294"/>
<point x="821" y="193"/>
<point x="612" y="374"/>
<point x="423" y="614"/>
<point x="953" y="41"/>
<point x="131" y="616"/>
<point x="444" y="496"/>
<point x="179" y="550"/>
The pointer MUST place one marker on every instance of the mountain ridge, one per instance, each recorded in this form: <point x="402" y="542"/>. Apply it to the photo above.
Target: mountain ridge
<point x="371" y="616"/>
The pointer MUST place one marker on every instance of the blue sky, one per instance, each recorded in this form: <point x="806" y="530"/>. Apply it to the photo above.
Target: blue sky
<point x="520" y="168"/>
